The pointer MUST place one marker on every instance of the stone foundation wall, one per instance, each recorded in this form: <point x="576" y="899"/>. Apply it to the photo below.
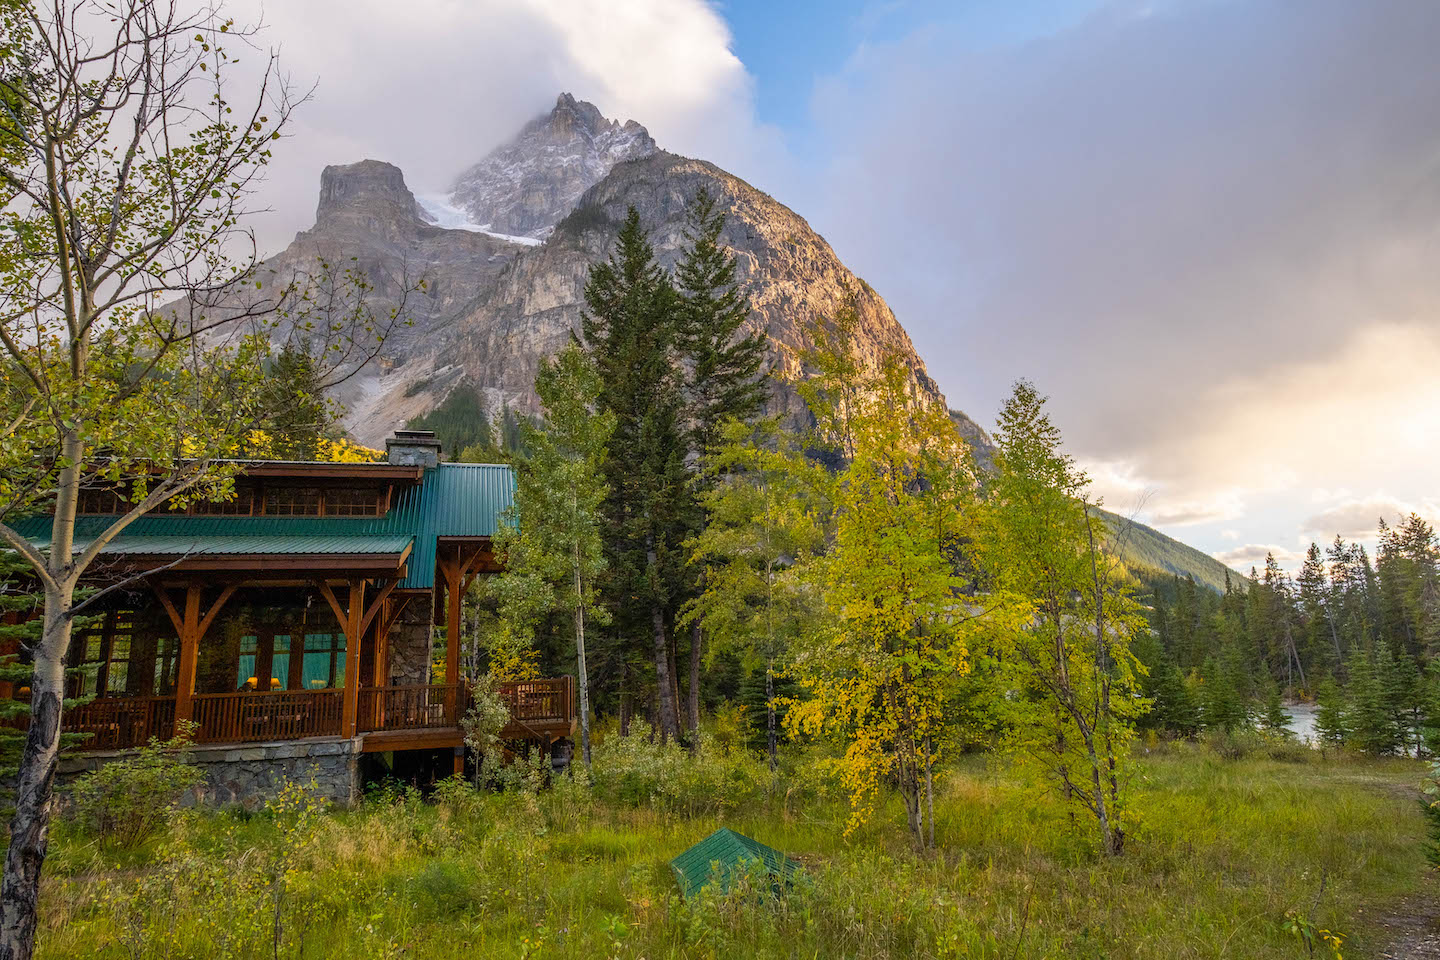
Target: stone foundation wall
<point x="250" y="774"/>
<point x="410" y="643"/>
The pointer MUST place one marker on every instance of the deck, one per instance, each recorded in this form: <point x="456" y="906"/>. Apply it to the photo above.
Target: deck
<point x="425" y="716"/>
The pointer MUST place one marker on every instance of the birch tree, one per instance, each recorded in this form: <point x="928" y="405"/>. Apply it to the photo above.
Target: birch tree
<point x="125" y="170"/>
<point x="552" y="545"/>
<point x="1072" y="678"/>
<point x="886" y="656"/>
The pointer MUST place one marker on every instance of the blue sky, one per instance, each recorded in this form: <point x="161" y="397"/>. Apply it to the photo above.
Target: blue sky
<point x="788" y="45"/>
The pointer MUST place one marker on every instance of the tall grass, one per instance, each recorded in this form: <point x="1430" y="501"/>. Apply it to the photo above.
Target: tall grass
<point x="1219" y="851"/>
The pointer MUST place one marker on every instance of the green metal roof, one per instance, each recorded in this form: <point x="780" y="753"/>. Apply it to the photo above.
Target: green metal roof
<point x="721" y="855"/>
<point x="452" y="500"/>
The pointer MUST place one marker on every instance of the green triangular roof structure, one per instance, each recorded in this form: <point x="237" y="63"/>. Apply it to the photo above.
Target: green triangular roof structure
<point x="731" y="851"/>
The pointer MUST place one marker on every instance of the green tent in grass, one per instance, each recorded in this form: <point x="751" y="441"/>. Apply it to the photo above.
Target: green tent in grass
<point x="724" y="853"/>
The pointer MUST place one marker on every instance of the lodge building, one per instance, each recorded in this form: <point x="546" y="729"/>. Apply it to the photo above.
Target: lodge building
<point x="293" y="625"/>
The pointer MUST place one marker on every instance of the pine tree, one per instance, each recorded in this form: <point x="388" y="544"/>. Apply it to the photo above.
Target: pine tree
<point x="1430" y="708"/>
<point x="1332" y="728"/>
<point x="629" y="327"/>
<point x="299" y="414"/>
<point x="1274" y="719"/>
<point x="722" y="364"/>
<point x="1370" y="719"/>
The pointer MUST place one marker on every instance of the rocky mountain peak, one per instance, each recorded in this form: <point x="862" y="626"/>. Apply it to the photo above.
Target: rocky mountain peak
<point x="368" y="188"/>
<point x="526" y="186"/>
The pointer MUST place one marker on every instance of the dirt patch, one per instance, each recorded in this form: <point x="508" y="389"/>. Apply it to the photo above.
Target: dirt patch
<point x="1411" y="927"/>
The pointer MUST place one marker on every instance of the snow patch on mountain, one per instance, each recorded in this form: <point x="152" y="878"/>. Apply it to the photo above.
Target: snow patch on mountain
<point x="440" y="209"/>
<point x="528" y="185"/>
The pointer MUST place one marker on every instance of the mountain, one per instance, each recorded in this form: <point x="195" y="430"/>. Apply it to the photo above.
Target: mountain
<point x="497" y="298"/>
<point x="505" y="257"/>
<point x="1145" y="549"/>
<point x="525" y="187"/>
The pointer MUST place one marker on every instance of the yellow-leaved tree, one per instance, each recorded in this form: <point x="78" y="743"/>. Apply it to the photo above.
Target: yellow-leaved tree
<point x="882" y="661"/>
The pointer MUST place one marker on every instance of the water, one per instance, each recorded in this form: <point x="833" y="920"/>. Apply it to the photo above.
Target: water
<point x="1302" y="721"/>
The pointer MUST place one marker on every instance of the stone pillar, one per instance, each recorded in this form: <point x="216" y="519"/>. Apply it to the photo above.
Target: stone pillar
<point x="410" y="643"/>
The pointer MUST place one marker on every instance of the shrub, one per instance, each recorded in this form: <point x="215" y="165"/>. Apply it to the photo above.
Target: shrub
<point x="637" y="771"/>
<point x="125" y="801"/>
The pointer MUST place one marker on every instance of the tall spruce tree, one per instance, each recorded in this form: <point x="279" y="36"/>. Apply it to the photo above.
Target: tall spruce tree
<point x="630" y="326"/>
<point x="722" y="363"/>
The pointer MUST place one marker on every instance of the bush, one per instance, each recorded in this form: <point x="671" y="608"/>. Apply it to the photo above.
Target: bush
<point x="637" y="771"/>
<point x="1241" y="743"/>
<point x="126" y="800"/>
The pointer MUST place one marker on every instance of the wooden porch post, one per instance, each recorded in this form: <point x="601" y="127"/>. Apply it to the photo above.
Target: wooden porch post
<point x="189" y="654"/>
<point x="349" y="715"/>
<point x="453" y="598"/>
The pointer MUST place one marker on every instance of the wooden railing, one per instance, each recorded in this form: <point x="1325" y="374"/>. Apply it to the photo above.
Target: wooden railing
<point x="420" y="707"/>
<point x="540" y="700"/>
<point x="115" y="723"/>
<point x="267" y="715"/>
<point x="538" y="708"/>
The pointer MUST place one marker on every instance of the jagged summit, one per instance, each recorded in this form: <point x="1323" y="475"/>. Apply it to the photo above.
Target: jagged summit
<point x="369" y="189"/>
<point x="525" y="187"/>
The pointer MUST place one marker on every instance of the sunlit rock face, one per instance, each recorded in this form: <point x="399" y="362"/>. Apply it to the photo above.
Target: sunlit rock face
<point x="526" y="186"/>
<point x="792" y="275"/>
<point x="498" y="298"/>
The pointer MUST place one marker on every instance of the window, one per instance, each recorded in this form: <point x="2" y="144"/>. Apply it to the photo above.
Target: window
<point x="236" y="506"/>
<point x="324" y="661"/>
<point x="292" y="501"/>
<point x="104" y="500"/>
<point x="123" y="653"/>
<point x="351" y="502"/>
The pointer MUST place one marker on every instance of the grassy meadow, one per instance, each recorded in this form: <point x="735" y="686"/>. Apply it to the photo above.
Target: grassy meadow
<point x="1219" y="850"/>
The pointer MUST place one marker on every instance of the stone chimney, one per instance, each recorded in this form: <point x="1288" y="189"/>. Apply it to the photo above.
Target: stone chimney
<point x="413" y="448"/>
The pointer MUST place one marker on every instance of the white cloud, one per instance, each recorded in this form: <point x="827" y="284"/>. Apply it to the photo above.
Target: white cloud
<point x="432" y="85"/>
<point x="1357" y="518"/>
<point x="1210" y="234"/>
<point x="1253" y="555"/>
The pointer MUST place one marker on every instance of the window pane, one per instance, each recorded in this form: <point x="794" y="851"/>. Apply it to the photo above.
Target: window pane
<point x="280" y="663"/>
<point x="249" y="646"/>
<point x="292" y="501"/>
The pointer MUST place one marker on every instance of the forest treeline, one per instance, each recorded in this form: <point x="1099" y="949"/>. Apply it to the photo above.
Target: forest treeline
<point x="1359" y="636"/>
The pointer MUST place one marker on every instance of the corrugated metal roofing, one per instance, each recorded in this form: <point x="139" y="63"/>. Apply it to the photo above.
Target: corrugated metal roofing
<point x="178" y="546"/>
<point x="720" y="855"/>
<point x="452" y="500"/>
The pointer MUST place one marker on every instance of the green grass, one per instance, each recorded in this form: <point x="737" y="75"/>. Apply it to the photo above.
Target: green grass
<point x="1218" y="852"/>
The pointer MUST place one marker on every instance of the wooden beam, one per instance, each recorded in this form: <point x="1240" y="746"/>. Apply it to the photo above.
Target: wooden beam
<point x="375" y="605"/>
<point x="189" y="654"/>
<point x="453" y="598"/>
<point x="353" y="634"/>
<point x="169" y="606"/>
<point x="225" y="595"/>
<point x="329" y="595"/>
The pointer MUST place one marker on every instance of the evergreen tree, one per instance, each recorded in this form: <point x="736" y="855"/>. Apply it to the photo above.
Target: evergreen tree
<point x="1430" y="708"/>
<point x="1332" y="728"/>
<point x="1225" y="705"/>
<point x="722" y="363"/>
<point x="630" y="326"/>
<point x="1322" y="642"/>
<point x="1370" y="719"/>
<point x="1274" y="719"/>
<point x="298" y="414"/>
